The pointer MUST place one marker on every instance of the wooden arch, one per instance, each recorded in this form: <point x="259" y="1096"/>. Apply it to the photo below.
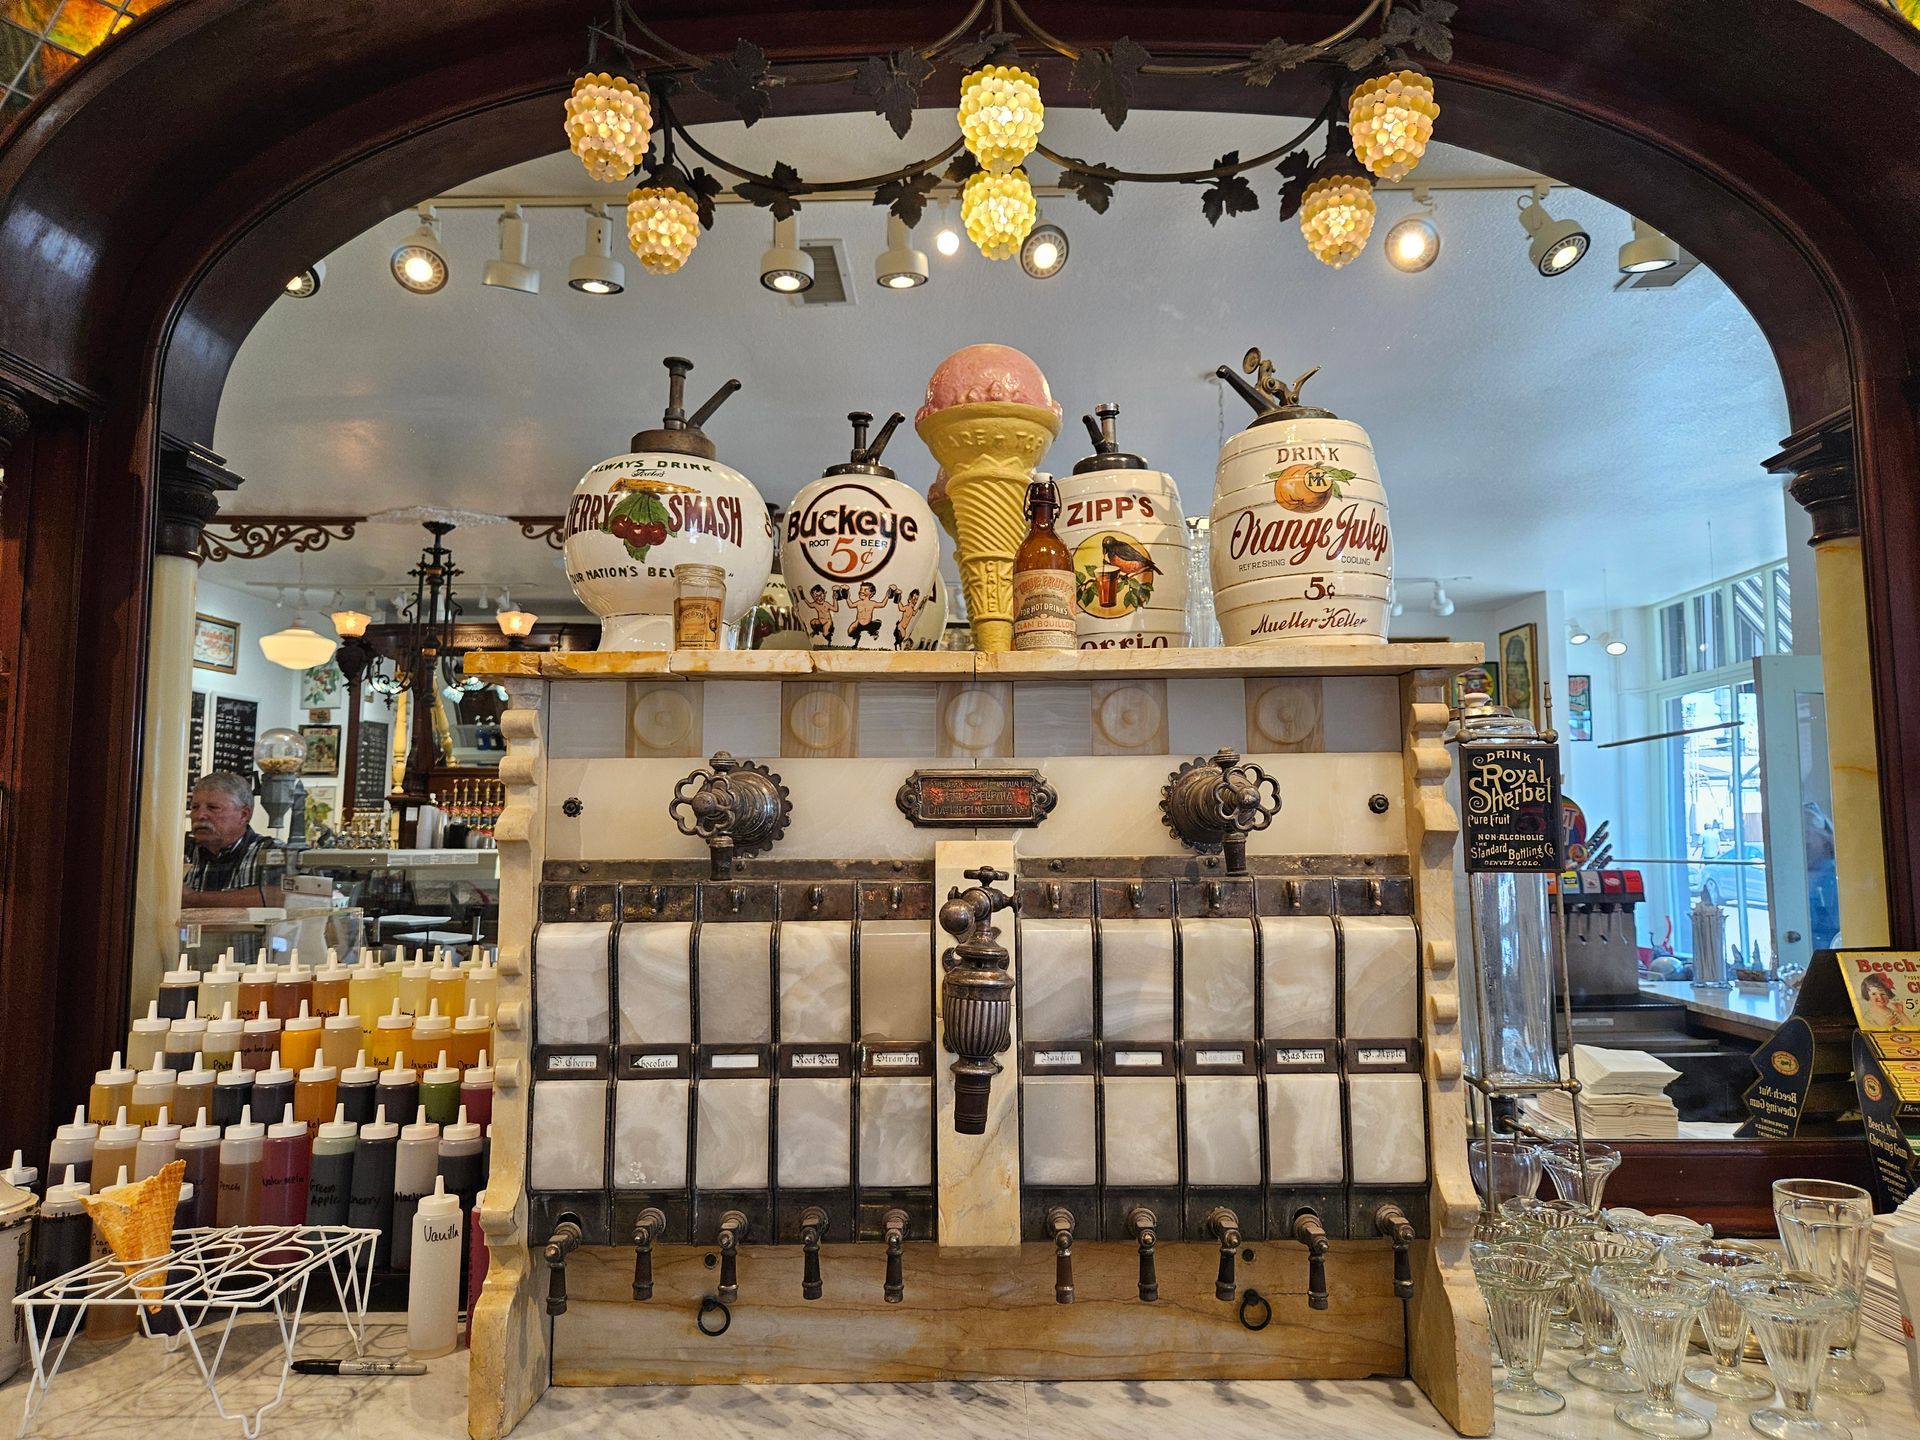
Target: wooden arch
<point x="152" y="204"/>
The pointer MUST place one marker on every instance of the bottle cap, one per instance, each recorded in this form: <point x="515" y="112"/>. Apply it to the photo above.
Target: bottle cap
<point x="359" y="1073"/>
<point x="261" y="1024"/>
<point x="187" y="1032"/>
<point x="223" y="972"/>
<point x="333" y="969"/>
<point x="235" y="1076"/>
<point x="421" y="1128"/>
<point x="64" y="1198"/>
<point x="200" y="1132"/>
<point x="226" y="1027"/>
<point x="338" y="1128"/>
<point x="151" y="1023"/>
<point x="318" y="1073"/>
<point x="119" y="1133"/>
<point x="246" y="1127"/>
<point x="418" y="968"/>
<point x="158" y="1075"/>
<point x="461" y="1132"/>
<point x="399" y="1073"/>
<point x="474" y="1019"/>
<point x="295" y="974"/>
<point x="445" y="967"/>
<point x="345" y="1020"/>
<point x="78" y="1128"/>
<point x="120" y="1181"/>
<point x="433" y="1023"/>
<point x="275" y="1073"/>
<point x="20" y="1174"/>
<point x="368" y="966"/>
<point x="439" y="1205"/>
<point x="114" y="1074"/>
<point x="184" y="974"/>
<point x="286" y="1127"/>
<point x="197" y="1073"/>
<point x="394" y="1019"/>
<point x="303" y="1021"/>
<point x="379" y="1128"/>
<point x="186" y="1194"/>
<point x="162" y="1129"/>
<point x="479" y="1076"/>
<point x="441" y="1074"/>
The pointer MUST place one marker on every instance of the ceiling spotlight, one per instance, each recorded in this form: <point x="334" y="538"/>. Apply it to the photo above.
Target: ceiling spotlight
<point x="784" y="266"/>
<point x="1414" y="241"/>
<point x="1557" y="244"/>
<point x="594" y="271"/>
<point x="419" y="261"/>
<point x="1442" y="603"/>
<point x="900" y="266"/>
<point x="1615" y="647"/>
<point x="946" y="239"/>
<point x="308" y="281"/>
<point x="1647" y="250"/>
<point x="511" y="271"/>
<point x="1043" y="254"/>
<point x="1577" y="634"/>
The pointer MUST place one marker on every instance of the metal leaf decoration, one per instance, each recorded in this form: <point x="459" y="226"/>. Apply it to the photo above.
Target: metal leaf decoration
<point x="1276" y="57"/>
<point x="1229" y="194"/>
<point x="906" y="197"/>
<point x="1093" y="191"/>
<point x="697" y="185"/>
<point x="976" y="53"/>
<point x="1106" y="77"/>
<point x="1298" y="169"/>
<point x="1361" y="51"/>
<point x="1421" y="25"/>
<point x="963" y="167"/>
<point x="740" y="80"/>
<point x="893" y="83"/>
<point x="778" y="192"/>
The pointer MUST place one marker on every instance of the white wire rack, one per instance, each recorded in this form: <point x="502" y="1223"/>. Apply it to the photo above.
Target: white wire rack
<point x="205" y="1283"/>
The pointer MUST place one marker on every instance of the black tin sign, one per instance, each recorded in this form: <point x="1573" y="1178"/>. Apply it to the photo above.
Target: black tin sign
<point x="1510" y="803"/>
<point x="1011" y="798"/>
<point x="1887" y="1117"/>
<point x="1776" y="1101"/>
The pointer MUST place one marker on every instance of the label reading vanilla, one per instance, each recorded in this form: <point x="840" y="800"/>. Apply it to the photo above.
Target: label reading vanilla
<point x="1043" y="610"/>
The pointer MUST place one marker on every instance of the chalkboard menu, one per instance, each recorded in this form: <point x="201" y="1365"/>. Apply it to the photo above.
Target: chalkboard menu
<point x="196" y="740"/>
<point x="370" y="766"/>
<point x="235" y="724"/>
<point x="1510" y="798"/>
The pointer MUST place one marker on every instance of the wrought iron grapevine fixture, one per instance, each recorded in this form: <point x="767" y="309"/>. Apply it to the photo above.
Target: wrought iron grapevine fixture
<point x="1378" y="115"/>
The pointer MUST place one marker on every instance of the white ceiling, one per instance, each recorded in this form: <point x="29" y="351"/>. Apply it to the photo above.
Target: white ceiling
<point x="1530" y="432"/>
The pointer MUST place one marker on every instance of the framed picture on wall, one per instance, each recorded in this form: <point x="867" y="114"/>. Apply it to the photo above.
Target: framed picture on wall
<point x="1579" y="707"/>
<point x="323" y="749"/>
<point x="216" y="644"/>
<point x="1483" y="679"/>
<point x="318" y="684"/>
<point x="1520" y="671"/>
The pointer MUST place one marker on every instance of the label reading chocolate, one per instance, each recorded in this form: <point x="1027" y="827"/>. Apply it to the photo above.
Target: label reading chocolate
<point x="1043" y="610"/>
<point x="655" y="1062"/>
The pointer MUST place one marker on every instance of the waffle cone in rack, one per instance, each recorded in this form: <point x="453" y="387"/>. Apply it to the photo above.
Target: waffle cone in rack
<point x="988" y="449"/>
<point x="137" y="1223"/>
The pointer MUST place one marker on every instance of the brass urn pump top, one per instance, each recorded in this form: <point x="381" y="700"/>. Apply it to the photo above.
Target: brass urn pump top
<point x="976" y="994"/>
<point x="1216" y="804"/>
<point x="679" y="432"/>
<point x="1272" y="398"/>
<point x="738" y="807"/>
<point x="864" y="459"/>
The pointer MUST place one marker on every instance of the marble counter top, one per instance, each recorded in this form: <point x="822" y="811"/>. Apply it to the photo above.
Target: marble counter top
<point x="130" y="1391"/>
<point x="1753" y="1015"/>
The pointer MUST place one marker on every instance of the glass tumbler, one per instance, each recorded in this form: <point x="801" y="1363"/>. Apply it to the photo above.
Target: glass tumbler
<point x="1516" y="1169"/>
<point x="1562" y="1164"/>
<point x="1795" y="1316"/>
<point x="1720" y="1265"/>
<point x="1518" y="1288"/>
<point x="1543" y="1217"/>
<point x="1580" y="1248"/>
<point x="1826" y="1229"/>
<point x="1656" y="1310"/>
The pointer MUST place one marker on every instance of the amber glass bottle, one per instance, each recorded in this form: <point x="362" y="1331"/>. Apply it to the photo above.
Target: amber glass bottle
<point x="1042" y="577"/>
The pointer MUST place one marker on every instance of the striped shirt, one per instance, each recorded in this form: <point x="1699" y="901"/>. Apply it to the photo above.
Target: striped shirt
<point x="250" y="862"/>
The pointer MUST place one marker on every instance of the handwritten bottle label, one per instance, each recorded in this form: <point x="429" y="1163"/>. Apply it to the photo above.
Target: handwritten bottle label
<point x="1043" y="610"/>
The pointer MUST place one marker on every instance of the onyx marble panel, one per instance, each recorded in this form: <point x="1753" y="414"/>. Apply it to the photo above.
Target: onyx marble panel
<point x="1216" y="980"/>
<point x="1390" y="1112"/>
<point x="1057" y="1135"/>
<point x="736" y="1000"/>
<point x="1297" y="960"/>
<point x="816" y="982"/>
<point x="731" y="1140"/>
<point x="570" y="966"/>
<point x="1056" y="979"/>
<point x="656" y="991"/>
<point x="650" y="1134"/>
<point x="1136" y="979"/>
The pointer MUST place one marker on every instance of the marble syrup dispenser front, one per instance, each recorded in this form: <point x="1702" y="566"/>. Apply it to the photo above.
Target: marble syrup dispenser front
<point x="735" y="1058"/>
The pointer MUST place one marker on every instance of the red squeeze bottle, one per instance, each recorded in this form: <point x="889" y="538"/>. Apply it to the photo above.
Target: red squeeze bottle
<point x="476" y="1092"/>
<point x="285" y="1169"/>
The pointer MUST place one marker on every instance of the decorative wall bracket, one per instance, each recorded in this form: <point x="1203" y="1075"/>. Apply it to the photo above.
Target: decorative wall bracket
<point x="254" y="537"/>
<point x="738" y="807"/>
<point x="1215" y="804"/>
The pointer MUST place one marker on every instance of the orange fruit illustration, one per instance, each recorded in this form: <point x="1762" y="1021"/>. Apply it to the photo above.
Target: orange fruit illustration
<point x="1306" y="488"/>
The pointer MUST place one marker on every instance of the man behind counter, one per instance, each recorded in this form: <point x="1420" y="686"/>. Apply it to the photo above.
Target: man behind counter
<point x="230" y="865"/>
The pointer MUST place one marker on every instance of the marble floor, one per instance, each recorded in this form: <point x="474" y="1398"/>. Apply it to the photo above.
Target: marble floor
<point x="131" y="1391"/>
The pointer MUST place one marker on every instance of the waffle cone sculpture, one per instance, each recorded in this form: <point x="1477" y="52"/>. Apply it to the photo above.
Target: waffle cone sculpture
<point x="988" y="420"/>
<point x="136" y="1221"/>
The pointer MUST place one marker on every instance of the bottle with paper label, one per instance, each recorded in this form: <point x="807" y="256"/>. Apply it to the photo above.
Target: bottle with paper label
<point x="1043" y="611"/>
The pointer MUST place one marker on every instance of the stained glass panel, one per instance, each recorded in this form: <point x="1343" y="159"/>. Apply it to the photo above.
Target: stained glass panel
<point x="63" y="30"/>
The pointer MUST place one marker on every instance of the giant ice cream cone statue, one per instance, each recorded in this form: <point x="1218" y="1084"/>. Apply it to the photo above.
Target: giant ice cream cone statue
<point x="988" y="418"/>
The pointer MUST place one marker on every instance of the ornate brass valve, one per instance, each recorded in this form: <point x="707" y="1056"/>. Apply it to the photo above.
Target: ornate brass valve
<point x="976" y="994"/>
<point x="565" y="1239"/>
<point x="1308" y="1230"/>
<point x="738" y="807"/>
<point x="1215" y="804"/>
<point x="647" y="1227"/>
<point x="1391" y="1221"/>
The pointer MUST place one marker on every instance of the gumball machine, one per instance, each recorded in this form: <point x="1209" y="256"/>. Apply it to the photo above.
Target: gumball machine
<point x="278" y="755"/>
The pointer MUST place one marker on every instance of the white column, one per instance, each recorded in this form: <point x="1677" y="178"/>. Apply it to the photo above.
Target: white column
<point x="163" y="773"/>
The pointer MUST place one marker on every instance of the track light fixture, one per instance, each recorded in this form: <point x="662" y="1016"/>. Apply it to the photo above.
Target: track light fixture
<point x="946" y="239"/>
<point x="900" y="266"/>
<point x="308" y="281"/>
<point x="594" y="271"/>
<point x="1414" y="241"/>
<point x="419" y="262"/>
<point x="1578" y="634"/>
<point x="511" y="271"/>
<point x="784" y="267"/>
<point x="1612" y="643"/>
<point x="1043" y="254"/>
<point x="1647" y="250"/>
<point x="1557" y="245"/>
<point x="1442" y="602"/>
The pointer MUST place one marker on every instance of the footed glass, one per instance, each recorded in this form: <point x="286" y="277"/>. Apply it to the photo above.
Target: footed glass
<point x="1493" y="1232"/>
<point x="1518" y="1289"/>
<point x="1795" y="1316"/>
<point x="1662" y="1230"/>
<point x="1543" y="1217"/>
<point x="1656" y="1310"/>
<point x="1517" y="1169"/>
<point x="1580" y="1248"/>
<point x="1720" y="1265"/>
<point x="1826" y="1229"/>
<point x="1562" y="1164"/>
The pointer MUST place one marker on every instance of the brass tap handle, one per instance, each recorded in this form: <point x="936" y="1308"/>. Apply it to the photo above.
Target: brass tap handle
<point x="894" y="1223"/>
<point x="646" y="1228"/>
<point x="1224" y="1225"/>
<point x="1308" y="1230"/>
<point x="565" y="1239"/>
<point x="813" y="1225"/>
<point x="1060" y="1222"/>
<point x="737" y="807"/>
<point x="1145" y="1227"/>
<point x="732" y="1226"/>
<point x="1391" y="1221"/>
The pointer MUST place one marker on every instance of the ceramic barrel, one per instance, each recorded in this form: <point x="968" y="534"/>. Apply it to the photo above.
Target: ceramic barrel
<point x="860" y="553"/>
<point x="1301" y="548"/>
<point x="1129" y="545"/>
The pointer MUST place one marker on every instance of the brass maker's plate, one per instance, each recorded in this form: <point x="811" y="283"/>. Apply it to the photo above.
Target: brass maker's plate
<point x="1011" y="798"/>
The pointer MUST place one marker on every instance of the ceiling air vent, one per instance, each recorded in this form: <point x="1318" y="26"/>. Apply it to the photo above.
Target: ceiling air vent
<point x="829" y="274"/>
<point x="1659" y="279"/>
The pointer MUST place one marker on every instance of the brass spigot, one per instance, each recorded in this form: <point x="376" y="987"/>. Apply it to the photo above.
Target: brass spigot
<point x="894" y="1225"/>
<point x="1060" y="1224"/>
<point x="813" y="1225"/>
<point x="976" y="994"/>
<point x="646" y="1228"/>
<point x="1391" y="1221"/>
<point x="565" y="1239"/>
<point x="1144" y="1229"/>
<point x="1308" y="1230"/>
<point x="733" y="1225"/>
<point x="1224" y="1226"/>
<point x="1215" y="804"/>
<point x="738" y="807"/>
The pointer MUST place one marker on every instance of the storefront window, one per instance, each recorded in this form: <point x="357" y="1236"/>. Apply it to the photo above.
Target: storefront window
<point x="1714" y="811"/>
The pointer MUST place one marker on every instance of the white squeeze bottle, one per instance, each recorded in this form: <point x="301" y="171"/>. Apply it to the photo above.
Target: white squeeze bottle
<point x="433" y="1282"/>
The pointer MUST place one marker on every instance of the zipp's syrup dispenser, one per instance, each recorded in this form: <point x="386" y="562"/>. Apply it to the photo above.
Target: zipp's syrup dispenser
<point x="976" y="993"/>
<point x="1214" y="804"/>
<point x="738" y="807"/>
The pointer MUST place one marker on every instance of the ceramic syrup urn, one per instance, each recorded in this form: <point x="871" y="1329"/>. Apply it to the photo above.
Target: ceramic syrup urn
<point x="1122" y="524"/>
<point x="860" y="550"/>
<point x="1300" y="544"/>
<point x="667" y="502"/>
